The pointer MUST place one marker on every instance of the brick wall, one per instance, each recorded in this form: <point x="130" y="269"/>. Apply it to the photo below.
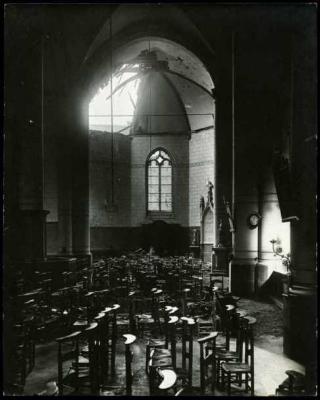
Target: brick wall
<point x="201" y="169"/>
<point x="130" y="155"/>
<point x="101" y="180"/>
<point x="177" y="147"/>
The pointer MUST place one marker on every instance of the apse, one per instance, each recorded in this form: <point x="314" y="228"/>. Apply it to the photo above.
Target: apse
<point x="158" y="98"/>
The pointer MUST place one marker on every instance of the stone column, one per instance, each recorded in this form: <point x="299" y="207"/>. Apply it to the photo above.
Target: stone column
<point x="80" y="178"/>
<point x="304" y="159"/>
<point x="245" y="242"/>
<point x="65" y="190"/>
<point x="244" y="189"/>
<point x="223" y="139"/>
<point x="301" y="344"/>
<point x="31" y="216"/>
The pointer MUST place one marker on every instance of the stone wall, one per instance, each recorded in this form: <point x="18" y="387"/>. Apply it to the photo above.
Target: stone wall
<point x="101" y="211"/>
<point x="201" y="170"/>
<point x="177" y="148"/>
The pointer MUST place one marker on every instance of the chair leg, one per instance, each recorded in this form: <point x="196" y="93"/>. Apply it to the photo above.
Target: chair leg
<point x="151" y="382"/>
<point x="229" y="384"/>
<point x="147" y="359"/>
<point x="222" y="378"/>
<point x="218" y="372"/>
<point x="252" y="383"/>
<point x="213" y="383"/>
<point x="239" y="379"/>
<point x="113" y="355"/>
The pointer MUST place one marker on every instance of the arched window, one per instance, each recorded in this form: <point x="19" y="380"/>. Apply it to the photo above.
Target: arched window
<point x="159" y="169"/>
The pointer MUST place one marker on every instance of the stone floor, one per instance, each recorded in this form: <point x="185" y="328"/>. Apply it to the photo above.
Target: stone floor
<point x="270" y="362"/>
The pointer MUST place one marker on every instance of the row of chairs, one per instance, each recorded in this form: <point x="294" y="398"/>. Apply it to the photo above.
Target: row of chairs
<point x="218" y="364"/>
<point x="229" y="324"/>
<point x="82" y="292"/>
<point x="90" y="353"/>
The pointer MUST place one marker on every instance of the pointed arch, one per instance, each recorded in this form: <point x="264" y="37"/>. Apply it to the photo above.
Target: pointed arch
<point x="159" y="181"/>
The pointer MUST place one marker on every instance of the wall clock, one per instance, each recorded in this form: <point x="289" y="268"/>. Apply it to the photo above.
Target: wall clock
<point x="253" y="220"/>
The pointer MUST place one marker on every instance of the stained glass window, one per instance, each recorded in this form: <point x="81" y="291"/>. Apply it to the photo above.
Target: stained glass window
<point x="159" y="182"/>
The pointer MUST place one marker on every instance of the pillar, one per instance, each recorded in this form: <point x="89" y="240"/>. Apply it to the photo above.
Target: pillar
<point x="245" y="241"/>
<point x="80" y="178"/>
<point x="31" y="217"/>
<point x="301" y="344"/>
<point x="65" y="187"/>
<point x="242" y="178"/>
<point x="223" y="140"/>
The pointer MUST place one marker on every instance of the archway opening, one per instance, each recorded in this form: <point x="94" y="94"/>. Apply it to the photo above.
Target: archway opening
<point x="159" y="95"/>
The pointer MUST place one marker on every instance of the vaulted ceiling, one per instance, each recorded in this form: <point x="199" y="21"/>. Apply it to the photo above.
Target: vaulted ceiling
<point x="182" y="76"/>
<point x="77" y="39"/>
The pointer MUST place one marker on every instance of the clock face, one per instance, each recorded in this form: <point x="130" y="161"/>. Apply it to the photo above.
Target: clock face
<point x="253" y="220"/>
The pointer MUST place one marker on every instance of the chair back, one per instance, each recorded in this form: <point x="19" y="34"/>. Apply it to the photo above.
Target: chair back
<point x="172" y="329"/>
<point x="129" y="340"/>
<point x="92" y="335"/>
<point x="188" y="325"/>
<point x="248" y="341"/>
<point x="207" y="359"/>
<point x="65" y="355"/>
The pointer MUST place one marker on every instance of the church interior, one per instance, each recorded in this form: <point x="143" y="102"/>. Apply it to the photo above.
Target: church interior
<point x="160" y="199"/>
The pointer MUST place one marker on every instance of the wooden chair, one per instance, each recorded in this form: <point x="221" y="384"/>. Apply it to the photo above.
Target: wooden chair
<point x="30" y="342"/>
<point x="207" y="325"/>
<point x="197" y="285"/>
<point x="155" y="310"/>
<point x="144" y="323"/>
<point x="69" y="341"/>
<point x="204" y="326"/>
<point x="102" y="357"/>
<point x="185" y="372"/>
<point x="169" y="329"/>
<point x="162" y="357"/>
<point x="106" y="322"/>
<point x="207" y="360"/>
<point x="87" y="363"/>
<point x="168" y="311"/>
<point x="223" y="352"/>
<point x="153" y="344"/>
<point x="159" y="349"/>
<point x="132" y="310"/>
<point x="114" y="335"/>
<point x="91" y="309"/>
<point x="235" y="370"/>
<point x="18" y="356"/>
<point x="165" y="359"/>
<point x="227" y="317"/>
<point x="129" y="340"/>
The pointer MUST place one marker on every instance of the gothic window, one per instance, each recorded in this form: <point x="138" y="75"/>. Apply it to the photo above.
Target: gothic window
<point x="159" y="170"/>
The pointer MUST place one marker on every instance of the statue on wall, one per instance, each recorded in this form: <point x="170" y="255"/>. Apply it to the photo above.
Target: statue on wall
<point x="220" y="233"/>
<point x="210" y="193"/>
<point x="202" y="205"/>
<point x="229" y="215"/>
